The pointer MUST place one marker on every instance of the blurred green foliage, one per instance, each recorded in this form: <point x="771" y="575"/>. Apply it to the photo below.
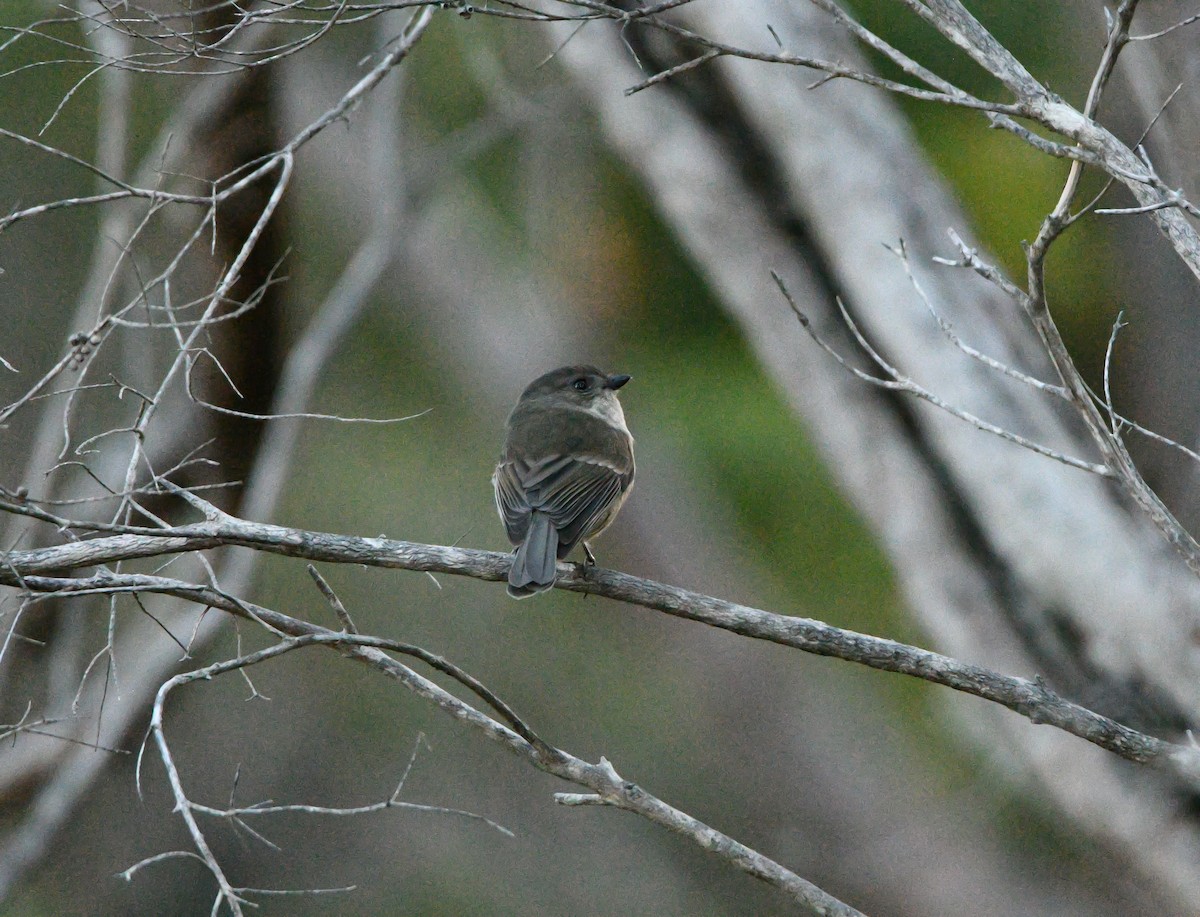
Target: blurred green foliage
<point x="733" y="425"/>
<point x="427" y="479"/>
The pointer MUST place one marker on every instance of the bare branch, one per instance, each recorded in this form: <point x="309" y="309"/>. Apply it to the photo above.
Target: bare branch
<point x="602" y="778"/>
<point x="897" y="382"/>
<point x="41" y="572"/>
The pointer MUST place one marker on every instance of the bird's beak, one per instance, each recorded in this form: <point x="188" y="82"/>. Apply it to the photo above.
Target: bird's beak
<point x="616" y="380"/>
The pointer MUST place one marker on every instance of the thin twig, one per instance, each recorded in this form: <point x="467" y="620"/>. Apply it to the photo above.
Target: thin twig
<point x="897" y="382"/>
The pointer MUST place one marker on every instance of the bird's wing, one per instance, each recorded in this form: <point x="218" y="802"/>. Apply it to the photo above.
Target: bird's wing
<point x="511" y="503"/>
<point x="575" y="492"/>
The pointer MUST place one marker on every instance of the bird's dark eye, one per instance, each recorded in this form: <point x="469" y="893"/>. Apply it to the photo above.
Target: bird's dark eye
<point x="580" y="384"/>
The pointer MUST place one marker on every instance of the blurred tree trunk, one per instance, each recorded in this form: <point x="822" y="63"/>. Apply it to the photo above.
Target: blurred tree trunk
<point x="1007" y="558"/>
<point x="243" y="131"/>
<point x="237" y="128"/>
<point x="1156" y="359"/>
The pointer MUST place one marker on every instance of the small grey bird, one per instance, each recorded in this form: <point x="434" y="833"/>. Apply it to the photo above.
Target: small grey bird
<point x="566" y="468"/>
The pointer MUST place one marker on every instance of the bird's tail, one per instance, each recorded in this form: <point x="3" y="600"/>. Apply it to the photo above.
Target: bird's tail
<point x="533" y="566"/>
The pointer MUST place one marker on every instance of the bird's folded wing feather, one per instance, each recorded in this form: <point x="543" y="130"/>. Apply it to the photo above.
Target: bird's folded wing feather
<point x="573" y="491"/>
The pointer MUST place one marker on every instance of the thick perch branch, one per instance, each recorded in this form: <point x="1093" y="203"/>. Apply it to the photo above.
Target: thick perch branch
<point x="41" y="571"/>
